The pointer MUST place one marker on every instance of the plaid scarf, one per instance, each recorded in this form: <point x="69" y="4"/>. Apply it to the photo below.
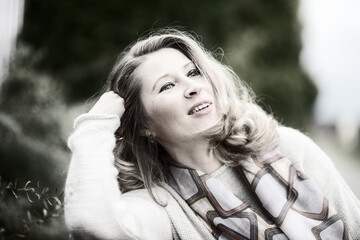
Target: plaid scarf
<point x="293" y="206"/>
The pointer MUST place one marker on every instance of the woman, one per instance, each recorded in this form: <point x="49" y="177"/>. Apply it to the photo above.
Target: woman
<point x="195" y="158"/>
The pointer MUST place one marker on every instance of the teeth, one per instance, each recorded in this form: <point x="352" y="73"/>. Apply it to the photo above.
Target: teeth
<point x="202" y="106"/>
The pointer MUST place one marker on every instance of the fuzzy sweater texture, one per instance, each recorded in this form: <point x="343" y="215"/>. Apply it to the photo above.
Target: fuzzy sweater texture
<point x="94" y="205"/>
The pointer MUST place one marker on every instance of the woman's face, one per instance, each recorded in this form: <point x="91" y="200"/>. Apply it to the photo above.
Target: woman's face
<point x="178" y="99"/>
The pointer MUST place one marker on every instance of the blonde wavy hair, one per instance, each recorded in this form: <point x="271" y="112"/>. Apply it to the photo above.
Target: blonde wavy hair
<point x="243" y="130"/>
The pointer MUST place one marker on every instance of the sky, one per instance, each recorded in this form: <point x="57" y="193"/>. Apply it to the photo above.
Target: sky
<point x="331" y="56"/>
<point x="11" y="18"/>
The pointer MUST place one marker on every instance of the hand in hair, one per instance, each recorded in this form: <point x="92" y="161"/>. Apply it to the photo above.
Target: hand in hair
<point x="109" y="103"/>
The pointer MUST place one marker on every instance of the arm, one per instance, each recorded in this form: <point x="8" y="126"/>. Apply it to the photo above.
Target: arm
<point x="319" y="167"/>
<point x="93" y="201"/>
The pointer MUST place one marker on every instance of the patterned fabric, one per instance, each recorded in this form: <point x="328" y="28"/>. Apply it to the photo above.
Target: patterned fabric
<point x="293" y="206"/>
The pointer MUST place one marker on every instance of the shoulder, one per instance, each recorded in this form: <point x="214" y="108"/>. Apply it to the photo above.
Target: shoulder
<point x="297" y="146"/>
<point x="292" y="141"/>
<point x="304" y="152"/>
<point x="143" y="200"/>
<point x="291" y="134"/>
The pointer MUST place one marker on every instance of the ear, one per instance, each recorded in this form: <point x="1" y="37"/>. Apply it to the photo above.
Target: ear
<point x="148" y="133"/>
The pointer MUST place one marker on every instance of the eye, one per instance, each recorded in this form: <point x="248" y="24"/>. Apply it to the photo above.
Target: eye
<point x="167" y="86"/>
<point x="193" y="72"/>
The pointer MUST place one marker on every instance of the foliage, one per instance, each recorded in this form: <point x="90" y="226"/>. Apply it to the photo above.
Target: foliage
<point x="33" y="148"/>
<point x="44" y="207"/>
<point x="31" y="113"/>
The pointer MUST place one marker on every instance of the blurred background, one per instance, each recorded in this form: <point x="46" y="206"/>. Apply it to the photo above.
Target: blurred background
<point x="300" y="57"/>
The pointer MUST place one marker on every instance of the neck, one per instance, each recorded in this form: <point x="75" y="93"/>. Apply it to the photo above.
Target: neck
<point x="196" y="155"/>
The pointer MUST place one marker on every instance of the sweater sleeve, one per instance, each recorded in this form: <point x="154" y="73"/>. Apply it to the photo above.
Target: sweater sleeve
<point x="94" y="204"/>
<point x="319" y="167"/>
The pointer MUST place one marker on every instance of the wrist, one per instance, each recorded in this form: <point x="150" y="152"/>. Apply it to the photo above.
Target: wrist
<point x="108" y="121"/>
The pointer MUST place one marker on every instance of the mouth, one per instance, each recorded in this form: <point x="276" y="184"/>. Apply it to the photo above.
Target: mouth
<point x="199" y="107"/>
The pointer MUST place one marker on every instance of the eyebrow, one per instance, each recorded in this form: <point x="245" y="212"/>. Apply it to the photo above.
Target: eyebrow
<point x="166" y="74"/>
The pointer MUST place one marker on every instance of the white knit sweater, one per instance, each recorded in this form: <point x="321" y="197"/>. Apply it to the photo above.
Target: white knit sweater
<point x="95" y="205"/>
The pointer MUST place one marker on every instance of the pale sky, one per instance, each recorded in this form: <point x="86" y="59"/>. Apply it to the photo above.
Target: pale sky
<point x="11" y="18"/>
<point x="331" y="56"/>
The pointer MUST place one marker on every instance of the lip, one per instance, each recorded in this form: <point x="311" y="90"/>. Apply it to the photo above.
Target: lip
<point x="198" y="104"/>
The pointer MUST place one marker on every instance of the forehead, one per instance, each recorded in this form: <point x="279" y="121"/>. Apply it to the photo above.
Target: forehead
<point x="161" y="62"/>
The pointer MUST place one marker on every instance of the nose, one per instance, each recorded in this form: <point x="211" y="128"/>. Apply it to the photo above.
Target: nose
<point x="192" y="88"/>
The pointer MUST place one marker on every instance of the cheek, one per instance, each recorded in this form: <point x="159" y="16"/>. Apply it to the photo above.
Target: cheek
<point x="167" y="119"/>
<point x="163" y="111"/>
